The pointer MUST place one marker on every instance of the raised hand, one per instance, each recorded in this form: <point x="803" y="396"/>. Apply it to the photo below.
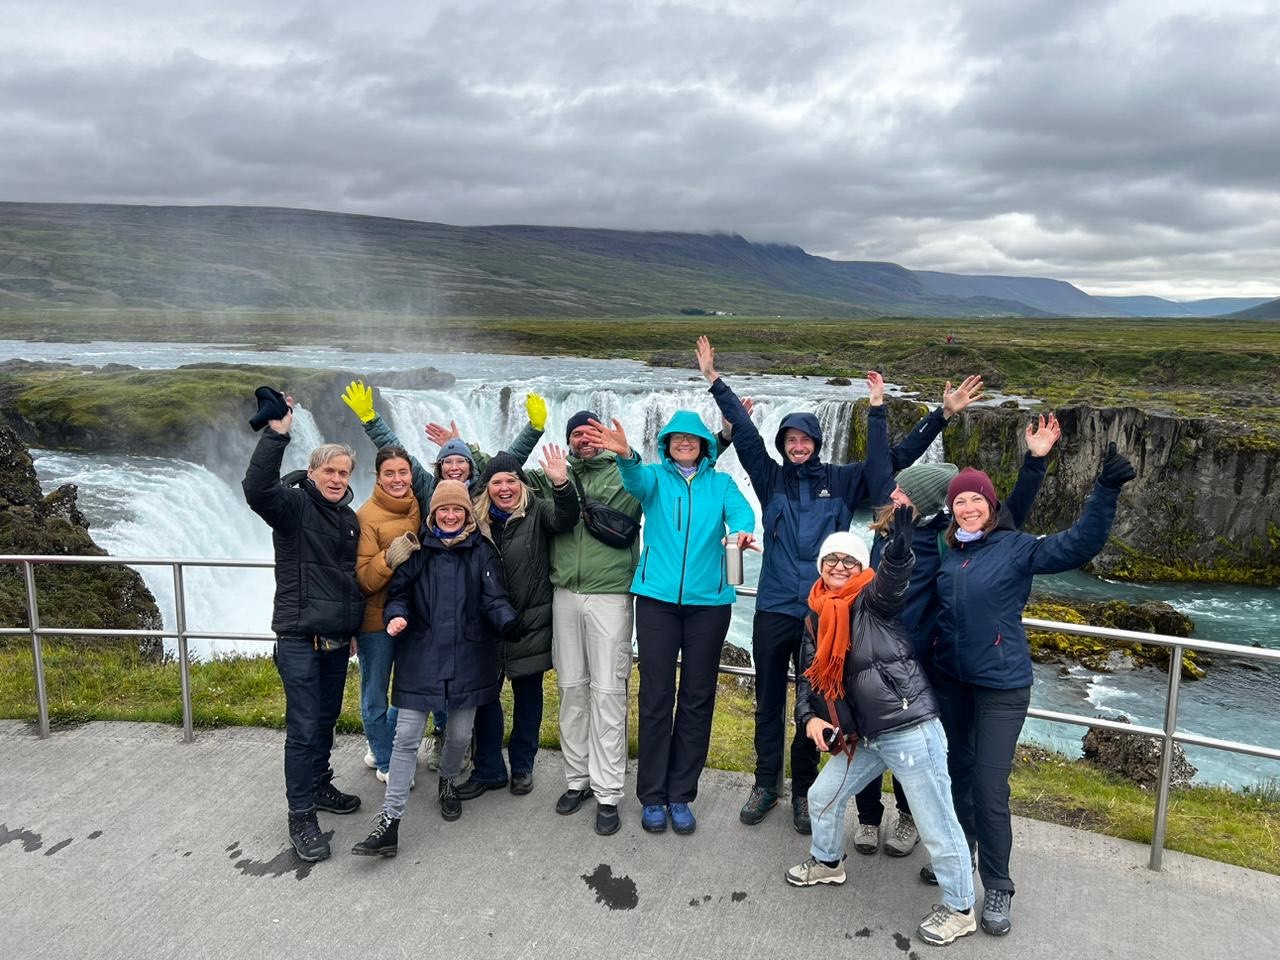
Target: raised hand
<point x="707" y="359"/>
<point x="606" y="439"/>
<point x="285" y="423"/>
<point x="359" y="398"/>
<point x="439" y="435"/>
<point x="1116" y="469"/>
<point x="902" y="531"/>
<point x="875" y="388"/>
<point x="953" y="401"/>
<point x="748" y="405"/>
<point x="535" y="405"/>
<point x="555" y="464"/>
<point x="1041" y="437"/>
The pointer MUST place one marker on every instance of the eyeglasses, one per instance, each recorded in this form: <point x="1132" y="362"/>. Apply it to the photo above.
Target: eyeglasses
<point x="831" y="560"/>
<point x="684" y="438"/>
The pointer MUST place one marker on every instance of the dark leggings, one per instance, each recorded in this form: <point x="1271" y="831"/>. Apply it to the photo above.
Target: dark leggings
<point x="982" y="726"/>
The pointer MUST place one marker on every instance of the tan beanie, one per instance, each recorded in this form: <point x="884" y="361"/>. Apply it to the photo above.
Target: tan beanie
<point x="449" y="493"/>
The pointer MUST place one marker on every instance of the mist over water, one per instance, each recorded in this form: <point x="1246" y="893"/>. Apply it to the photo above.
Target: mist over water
<point x="158" y="507"/>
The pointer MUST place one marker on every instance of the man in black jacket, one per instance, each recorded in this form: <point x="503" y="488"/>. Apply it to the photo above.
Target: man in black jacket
<point x="317" y="610"/>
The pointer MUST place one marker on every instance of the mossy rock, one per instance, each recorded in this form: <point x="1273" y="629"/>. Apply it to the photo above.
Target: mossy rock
<point x="1103" y="654"/>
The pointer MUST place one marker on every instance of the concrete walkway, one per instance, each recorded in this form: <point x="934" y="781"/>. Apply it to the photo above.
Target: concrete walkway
<point x="117" y="840"/>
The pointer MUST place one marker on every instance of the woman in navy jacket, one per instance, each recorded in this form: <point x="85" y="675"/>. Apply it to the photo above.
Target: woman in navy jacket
<point x="981" y="668"/>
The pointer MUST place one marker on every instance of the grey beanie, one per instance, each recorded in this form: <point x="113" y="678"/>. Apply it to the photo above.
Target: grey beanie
<point x="925" y="484"/>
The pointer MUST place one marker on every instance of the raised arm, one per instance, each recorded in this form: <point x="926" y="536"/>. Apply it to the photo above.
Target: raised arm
<point x="912" y="447"/>
<point x="752" y="452"/>
<point x="262" y="490"/>
<point x="888" y="590"/>
<point x="359" y="397"/>
<point x="1082" y="541"/>
<point x="1040" y="438"/>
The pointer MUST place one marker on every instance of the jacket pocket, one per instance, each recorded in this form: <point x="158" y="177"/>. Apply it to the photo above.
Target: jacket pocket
<point x="644" y="564"/>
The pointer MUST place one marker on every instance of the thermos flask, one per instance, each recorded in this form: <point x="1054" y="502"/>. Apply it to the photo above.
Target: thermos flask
<point x="732" y="563"/>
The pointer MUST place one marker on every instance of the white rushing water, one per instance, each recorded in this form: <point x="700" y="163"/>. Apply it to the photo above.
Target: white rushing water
<point x="159" y="507"/>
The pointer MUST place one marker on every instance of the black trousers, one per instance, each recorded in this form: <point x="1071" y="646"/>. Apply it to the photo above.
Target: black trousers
<point x="982" y="726"/>
<point x="775" y="649"/>
<point x="314" y="681"/>
<point x="871" y="806"/>
<point x="673" y="748"/>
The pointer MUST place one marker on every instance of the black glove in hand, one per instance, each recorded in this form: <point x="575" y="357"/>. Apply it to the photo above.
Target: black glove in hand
<point x="1116" y="469"/>
<point x="512" y="630"/>
<point x="901" y="533"/>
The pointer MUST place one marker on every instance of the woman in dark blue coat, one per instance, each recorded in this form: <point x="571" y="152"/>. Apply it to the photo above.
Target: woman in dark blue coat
<point x="981" y="668"/>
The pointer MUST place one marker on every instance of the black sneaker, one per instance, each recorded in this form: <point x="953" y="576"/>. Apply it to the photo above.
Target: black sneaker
<point x="759" y="803"/>
<point x="521" y="783"/>
<point x="304" y="833"/>
<point x="333" y="800"/>
<point x="383" y="841"/>
<point x="607" y="820"/>
<point x="571" y="801"/>
<point x="472" y="788"/>
<point x="800" y="815"/>
<point x="450" y="802"/>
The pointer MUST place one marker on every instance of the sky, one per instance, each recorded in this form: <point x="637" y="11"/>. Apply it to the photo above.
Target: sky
<point x="1127" y="147"/>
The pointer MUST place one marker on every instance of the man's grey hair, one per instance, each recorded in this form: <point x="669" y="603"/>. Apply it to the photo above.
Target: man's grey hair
<point x="330" y="451"/>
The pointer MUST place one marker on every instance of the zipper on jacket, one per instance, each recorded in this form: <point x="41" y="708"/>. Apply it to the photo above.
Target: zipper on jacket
<point x="684" y="558"/>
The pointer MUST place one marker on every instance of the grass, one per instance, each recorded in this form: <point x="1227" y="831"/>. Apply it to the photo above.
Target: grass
<point x="100" y="684"/>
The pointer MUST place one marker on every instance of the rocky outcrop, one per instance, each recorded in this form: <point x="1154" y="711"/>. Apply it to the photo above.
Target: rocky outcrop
<point x="1111" y="655"/>
<point x="1134" y="757"/>
<point x="108" y="597"/>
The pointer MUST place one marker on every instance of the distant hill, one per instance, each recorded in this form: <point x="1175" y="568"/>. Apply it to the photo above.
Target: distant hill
<point x="1160" y="307"/>
<point x="1265" y="311"/>
<point x="218" y="258"/>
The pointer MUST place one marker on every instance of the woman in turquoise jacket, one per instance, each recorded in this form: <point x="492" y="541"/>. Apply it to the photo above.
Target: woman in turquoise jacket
<point x="683" y="605"/>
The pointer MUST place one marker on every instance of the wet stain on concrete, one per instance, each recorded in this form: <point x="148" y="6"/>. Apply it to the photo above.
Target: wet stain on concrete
<point x="864" y="932"/>
<point x="913" y="956"/>
<point x="286" y="861"/>
<point x="95" y="835"/>
<point x="738" y="896"/>
<point x="31" y="841"/>
<point x="695" y="902"/>
<point x="233" y="851"/>
<point x="616" y="893"/>
<point x="187" y="854"/>
<point x="901" y="942"/>
<point x="56" y="847"/>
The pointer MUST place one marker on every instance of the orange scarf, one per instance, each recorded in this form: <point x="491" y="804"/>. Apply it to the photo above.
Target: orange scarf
<point x="833" y="607"/>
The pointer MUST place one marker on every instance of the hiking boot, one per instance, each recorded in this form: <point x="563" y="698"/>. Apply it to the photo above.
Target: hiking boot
<point x="760" y="802"/>
<point x="304" y="833"/>
<point x="800" y="815"/>
<point x="929" y="877"/>
<point x="903" y="838"/>
<point x="682" y="819"/>
<point x="607" y="820"/>
<point x="521" y="783"/>
<point x="654" y="818"/>
<point x="472" y="788"/>
<point x="434" y="747"/>
<point x="944" y="925"/>
<point x="995" y="911"/>
<point x="383" y="841"/>
<point x="814" y="871"/>
<point x="333" y="800"/>
<point x="450" y="802"/>
<point x="571" y="801"/>
<point x="866" y="839"/>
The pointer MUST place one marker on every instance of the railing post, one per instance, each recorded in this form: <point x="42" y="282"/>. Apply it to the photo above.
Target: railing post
<point x="1166" y="757"/>
<point x="37" y="654"/>
<point x="184" y="662"/>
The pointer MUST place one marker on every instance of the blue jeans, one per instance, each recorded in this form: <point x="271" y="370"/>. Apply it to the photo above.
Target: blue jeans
<point x="918" y="758"/>
<point x="313" y="685"/>
<point x="377" y="653"/>
<point x="526" y="724"/>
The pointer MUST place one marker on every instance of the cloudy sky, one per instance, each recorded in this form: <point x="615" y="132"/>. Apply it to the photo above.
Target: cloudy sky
<point x="1128" y="147"/>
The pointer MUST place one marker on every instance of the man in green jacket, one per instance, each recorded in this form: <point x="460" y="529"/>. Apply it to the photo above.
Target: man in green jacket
<point x="592" y="624"/>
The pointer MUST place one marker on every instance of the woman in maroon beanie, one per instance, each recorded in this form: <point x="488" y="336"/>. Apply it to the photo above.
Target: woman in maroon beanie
<point x="981" y="668"/>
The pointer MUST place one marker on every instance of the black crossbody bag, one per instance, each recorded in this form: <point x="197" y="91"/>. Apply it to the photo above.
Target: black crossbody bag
<point x="611" y="527"/>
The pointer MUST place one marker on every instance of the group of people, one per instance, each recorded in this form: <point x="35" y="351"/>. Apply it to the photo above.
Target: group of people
<point x="909" y="655"/>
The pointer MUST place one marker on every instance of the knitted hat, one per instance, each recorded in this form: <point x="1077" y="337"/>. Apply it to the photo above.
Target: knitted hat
<point x="449" y="493"/>
<point x="850" y="544"/>
<point x="925" y="485"/>
<point x="271" y="406"/>
<point x="970" y="480"/>
<point x="502" y="462"/>
<point x="579" y="419"/>
<point x="455" y="448"/>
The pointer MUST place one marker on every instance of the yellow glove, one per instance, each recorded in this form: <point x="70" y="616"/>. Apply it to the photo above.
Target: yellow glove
<point x="536" y="407"/>
<point x="360" y="399"/>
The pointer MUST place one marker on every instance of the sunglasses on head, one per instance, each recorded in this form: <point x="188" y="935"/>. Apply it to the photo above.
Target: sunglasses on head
<point x="831" y="560"/>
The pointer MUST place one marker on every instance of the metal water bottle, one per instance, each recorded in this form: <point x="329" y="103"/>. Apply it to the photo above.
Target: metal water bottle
<point x="732" y="563"/>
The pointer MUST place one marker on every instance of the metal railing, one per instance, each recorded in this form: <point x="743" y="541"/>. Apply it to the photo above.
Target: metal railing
<point x="1168" y="733"/>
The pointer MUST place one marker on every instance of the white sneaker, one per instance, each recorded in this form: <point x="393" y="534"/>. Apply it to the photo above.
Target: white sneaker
<point x="369" y="762"/>
<point x="432" y="747"/>
<point x="384" y="777"/>
<point x="944" y="925"/>
<point x="814" y="871"/>
<point x="866" y="839"/>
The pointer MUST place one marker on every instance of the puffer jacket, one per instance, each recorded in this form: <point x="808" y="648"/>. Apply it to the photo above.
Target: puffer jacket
<point x="580" y="562"/>
<point x="920" y="607"/>
<point x="682" y="560"/>
<point x="457" y="610"/>
<point x="885" y="685"/>
<point x="802" y="504"/>
<point x="383" y="518"/>
<point x="522" y="543"/>
<point x="315" y="547"/>
<point x="983" y="587"/>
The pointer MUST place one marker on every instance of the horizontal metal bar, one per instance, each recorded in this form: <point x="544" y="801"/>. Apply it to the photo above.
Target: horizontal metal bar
<point x="1233" y="746"/>
<point x="46" y="559"/>
<point x="1080" y="720"/>
<point x="1153" y="639"/>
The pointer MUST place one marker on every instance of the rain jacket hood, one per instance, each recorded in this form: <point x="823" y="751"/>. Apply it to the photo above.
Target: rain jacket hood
<point x="686" y="421"/>
<point x="807" y="424"/>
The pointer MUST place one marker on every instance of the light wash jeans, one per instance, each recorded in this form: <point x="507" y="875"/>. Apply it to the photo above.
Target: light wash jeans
<point x="917" y="756"/>
<point x="377" y="652"/>
<point x="404" y="755"/>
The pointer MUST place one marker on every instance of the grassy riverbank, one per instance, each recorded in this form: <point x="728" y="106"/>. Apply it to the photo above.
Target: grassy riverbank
<point x="1238" y="828"/>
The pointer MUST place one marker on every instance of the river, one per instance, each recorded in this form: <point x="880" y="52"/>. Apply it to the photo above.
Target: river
<point x="146" y="506"/>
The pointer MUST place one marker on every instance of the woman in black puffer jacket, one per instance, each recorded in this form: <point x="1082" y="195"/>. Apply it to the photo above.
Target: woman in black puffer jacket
<point x="859" y="674"/>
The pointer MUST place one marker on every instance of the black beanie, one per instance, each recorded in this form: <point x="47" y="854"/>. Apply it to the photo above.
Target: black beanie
<point x="502" y="462"/>
<point x="579" y="419"/>
<point x="271" y="406"/>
